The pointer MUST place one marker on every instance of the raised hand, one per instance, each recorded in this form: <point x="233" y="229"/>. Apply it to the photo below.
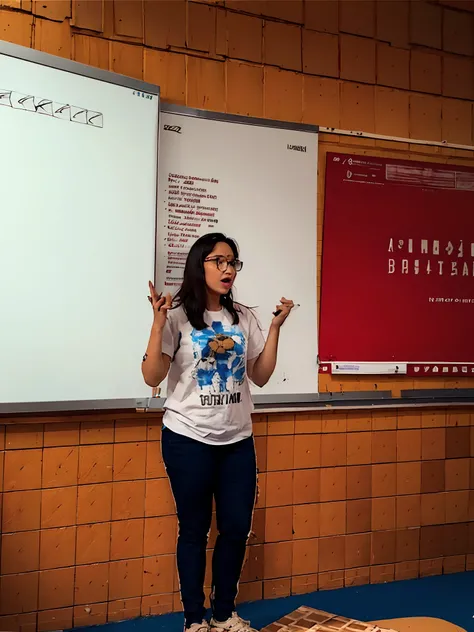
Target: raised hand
<point x="282" y="312"/>
<point x="160" y="305"/>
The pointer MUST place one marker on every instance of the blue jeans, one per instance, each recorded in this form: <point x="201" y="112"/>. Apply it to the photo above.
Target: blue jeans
<point x="198" y="472"/>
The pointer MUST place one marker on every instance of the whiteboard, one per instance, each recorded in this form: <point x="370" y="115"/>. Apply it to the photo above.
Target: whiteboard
<point x="78" y="160"/>
<point x="255" y="181"/>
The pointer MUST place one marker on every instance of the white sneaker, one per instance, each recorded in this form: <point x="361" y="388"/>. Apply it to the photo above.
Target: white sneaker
<point x="198" y="627"/>
<point x="233" y="624"/>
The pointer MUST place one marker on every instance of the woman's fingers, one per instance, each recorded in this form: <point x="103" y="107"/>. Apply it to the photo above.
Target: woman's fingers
<point x="159" y="304"/>
<point x="154" y="294"/>
<point x="156" y="300"/>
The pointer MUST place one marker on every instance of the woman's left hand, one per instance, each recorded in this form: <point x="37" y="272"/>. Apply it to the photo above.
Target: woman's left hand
<point x="284" y="308"/>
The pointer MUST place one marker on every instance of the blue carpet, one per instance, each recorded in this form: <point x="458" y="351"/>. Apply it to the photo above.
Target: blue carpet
<point x="449" y="597"/>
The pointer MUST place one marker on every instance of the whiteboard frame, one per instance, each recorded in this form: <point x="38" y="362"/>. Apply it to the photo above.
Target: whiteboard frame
<point x="183" y="110"/>
<point x="156" y="403"/>
<point x="44" y="59"/>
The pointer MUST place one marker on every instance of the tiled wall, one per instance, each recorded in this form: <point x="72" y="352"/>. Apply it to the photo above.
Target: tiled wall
<point x="89" y="529"/>
<point x="396" y="67"/>
<point x="88" y="524"/>
<point x="401" y="68"/>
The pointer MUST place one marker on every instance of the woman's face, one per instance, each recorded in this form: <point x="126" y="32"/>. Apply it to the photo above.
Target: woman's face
<point x="219" y="274"/>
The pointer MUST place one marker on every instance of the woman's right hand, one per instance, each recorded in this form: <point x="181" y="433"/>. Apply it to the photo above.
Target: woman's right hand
<point x="160" y="305"/>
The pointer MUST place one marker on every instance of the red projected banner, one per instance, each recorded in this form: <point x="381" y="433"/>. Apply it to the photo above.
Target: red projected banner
<point x="397" y="267"/>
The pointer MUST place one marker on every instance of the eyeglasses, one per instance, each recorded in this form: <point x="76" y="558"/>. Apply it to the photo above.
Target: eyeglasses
<point x="222" y="263"/>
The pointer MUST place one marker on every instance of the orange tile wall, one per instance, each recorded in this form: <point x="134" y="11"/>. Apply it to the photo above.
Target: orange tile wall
<point x="89" y="528"/>
<point x="88" y="525"/>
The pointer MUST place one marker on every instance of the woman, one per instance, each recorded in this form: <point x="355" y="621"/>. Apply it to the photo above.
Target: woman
<point x="210" y="347"/>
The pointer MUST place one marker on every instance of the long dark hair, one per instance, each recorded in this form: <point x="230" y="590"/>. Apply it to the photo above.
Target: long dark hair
<point x="192" y="295"/>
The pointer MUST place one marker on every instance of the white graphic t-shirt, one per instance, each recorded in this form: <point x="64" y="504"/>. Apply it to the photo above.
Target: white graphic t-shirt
<point x="208" y="396"/>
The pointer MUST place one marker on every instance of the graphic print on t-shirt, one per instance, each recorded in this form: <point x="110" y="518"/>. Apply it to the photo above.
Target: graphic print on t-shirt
<point x="219" y="354"/>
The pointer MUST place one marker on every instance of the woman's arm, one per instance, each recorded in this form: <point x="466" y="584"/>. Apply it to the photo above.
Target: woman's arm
<point x="261" y="369"/>
<point x="156" y="364"/>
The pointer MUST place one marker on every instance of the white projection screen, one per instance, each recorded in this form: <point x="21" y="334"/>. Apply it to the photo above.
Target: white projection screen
<point x="256" y="181"/>
<point x="78" y="158"/>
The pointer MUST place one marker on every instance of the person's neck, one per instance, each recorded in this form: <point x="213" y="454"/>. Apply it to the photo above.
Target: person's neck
<point x="213" y="303"/>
